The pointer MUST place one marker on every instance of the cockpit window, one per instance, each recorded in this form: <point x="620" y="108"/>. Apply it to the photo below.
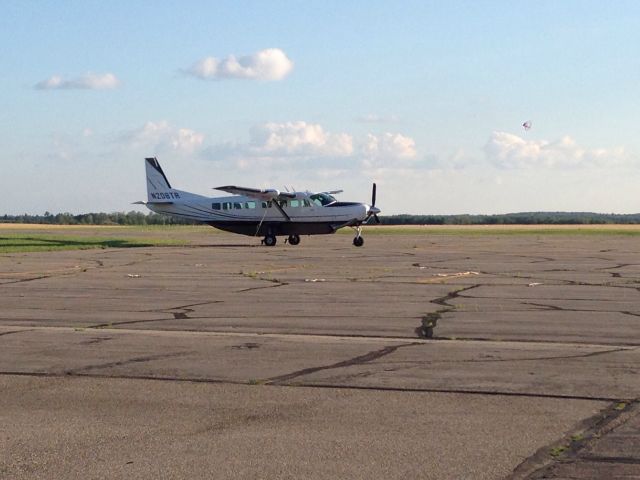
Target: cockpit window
<point x="322" y="199"/>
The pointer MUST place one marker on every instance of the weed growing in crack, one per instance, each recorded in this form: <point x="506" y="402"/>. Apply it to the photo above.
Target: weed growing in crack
<point x="557" y="451"/>
<point x="578" y="437"/>
<point x="429" y="322"/>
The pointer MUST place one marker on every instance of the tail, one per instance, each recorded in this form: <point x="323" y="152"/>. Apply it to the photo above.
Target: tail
<point x="158" y="187"/>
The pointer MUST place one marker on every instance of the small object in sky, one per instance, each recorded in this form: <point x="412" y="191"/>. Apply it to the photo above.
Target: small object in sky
<point x="527" y="125"/>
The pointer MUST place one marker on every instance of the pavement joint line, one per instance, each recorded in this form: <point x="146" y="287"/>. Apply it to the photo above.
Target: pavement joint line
<point x="456" y="391"/>
<point x="315" y="385"/>
<point x="364" y="338"/>
<point x="630" y="345"/>
<point x="599" y="459"/>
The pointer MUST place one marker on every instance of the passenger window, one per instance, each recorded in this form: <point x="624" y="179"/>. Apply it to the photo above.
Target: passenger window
<point x="306" y="203"/>
<point x="237" y="206"/>
<point x="250" y="205"/>
<point x="226" y="205"/>
<point x="264" y="205"/>
<point x="295" y="203"/>
<point x="215" y="206"/>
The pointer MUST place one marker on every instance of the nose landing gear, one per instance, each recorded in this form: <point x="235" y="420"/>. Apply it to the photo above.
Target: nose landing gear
<point x="358" y="241"/>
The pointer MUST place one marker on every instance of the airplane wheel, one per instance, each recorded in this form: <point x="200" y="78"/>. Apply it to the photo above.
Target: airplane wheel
<point x="358" y="241"/>
<point x="294" y="239"/>
<point x="270" y="240"/>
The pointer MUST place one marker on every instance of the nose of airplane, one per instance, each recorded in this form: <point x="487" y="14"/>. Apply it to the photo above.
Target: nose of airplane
<point x="374" y="210"/>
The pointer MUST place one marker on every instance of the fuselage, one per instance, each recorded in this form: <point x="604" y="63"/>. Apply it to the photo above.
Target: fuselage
<point x="306" y="214"/>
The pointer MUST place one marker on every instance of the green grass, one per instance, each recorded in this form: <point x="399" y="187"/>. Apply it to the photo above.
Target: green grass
<point x="33" y="242"/>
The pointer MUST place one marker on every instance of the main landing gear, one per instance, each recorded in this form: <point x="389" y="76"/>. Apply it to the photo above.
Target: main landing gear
<point x="358" y="241"/>
<point x="294" y="239"/>
<point x="271" y="240"/>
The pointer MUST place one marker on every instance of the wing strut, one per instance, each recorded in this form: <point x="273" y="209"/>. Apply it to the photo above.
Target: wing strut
<point x="266" y="210"/>
<point x="284" y="214"/>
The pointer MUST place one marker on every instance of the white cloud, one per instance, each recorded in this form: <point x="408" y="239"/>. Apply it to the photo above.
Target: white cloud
<point x="89" y="81"/>
<point x="159" y="137"/>
<point x="269" y="64"/>
<point x="509" y="151"/>
<point x="310" y="146"/>
<point x="300" y="139"/>
<point x="387" y="149"/>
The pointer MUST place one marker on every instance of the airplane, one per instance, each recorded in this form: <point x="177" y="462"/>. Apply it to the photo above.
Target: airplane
<point x="260" y="212"/>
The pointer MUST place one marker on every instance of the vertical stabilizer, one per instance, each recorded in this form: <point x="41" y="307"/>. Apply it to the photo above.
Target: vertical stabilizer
<point x="158" y="187"/>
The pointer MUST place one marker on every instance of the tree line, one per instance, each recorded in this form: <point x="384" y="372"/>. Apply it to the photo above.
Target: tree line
<point x="115" y="218"/>
<point x="524" y="218"/>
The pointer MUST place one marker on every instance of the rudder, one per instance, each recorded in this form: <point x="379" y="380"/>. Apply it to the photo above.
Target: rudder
<point x="158" y="187"/>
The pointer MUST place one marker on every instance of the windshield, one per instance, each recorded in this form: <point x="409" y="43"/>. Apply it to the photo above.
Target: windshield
<point x="322" y="199"/>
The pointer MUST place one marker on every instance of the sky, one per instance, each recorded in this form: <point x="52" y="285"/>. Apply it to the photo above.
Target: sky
<point x="425" y="98"/>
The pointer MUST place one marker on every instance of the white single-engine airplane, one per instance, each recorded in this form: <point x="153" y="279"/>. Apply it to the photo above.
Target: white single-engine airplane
<point x="255" y="212"/>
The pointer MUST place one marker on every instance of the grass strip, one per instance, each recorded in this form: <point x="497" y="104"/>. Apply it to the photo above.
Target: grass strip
<point x="33" y="242"/>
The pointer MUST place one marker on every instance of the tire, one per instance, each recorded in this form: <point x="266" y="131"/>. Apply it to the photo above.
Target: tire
<point x="358" y="241"/>
<point x="294" y="239"/>
<point x="270" y="240"/>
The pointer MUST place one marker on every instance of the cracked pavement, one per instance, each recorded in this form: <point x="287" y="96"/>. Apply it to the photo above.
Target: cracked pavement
<point x="532" y="371"/>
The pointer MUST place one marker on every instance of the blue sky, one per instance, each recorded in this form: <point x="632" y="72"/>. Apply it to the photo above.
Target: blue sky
<point x="425" y="98"/>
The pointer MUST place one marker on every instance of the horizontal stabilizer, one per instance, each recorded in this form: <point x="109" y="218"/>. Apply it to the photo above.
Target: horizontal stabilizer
<point x="151" y="203"/>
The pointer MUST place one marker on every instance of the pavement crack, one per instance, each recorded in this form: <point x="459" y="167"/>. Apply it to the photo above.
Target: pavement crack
<point x="25" y="280"/>
<point x="362" y="359"/>
<point x="430" y="320"/>
<point x="128" y="322"/>
<point x="276" y="283"/>
<point x="453" y="294"/>
<point x="120" y="363"/>
<point x="545" y="306"/>
<point x="2" y="334"/>
<point x="570" y="448"/>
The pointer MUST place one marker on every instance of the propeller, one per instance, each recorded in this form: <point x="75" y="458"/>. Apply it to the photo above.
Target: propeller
<point x="373" y="211"/>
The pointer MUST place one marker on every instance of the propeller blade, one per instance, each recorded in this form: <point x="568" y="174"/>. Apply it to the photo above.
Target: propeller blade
<point x="373" y="196"/>
<point x="376" y="217"/>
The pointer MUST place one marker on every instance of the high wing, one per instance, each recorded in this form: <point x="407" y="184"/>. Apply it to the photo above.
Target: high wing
<point x="269" y="194"/>
<point x="264" y="194"/>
